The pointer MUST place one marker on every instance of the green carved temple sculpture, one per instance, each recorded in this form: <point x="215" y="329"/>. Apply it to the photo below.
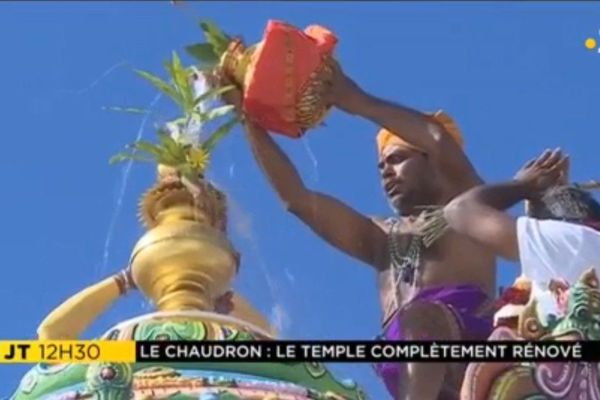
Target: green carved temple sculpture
<point x="544" y="380"/>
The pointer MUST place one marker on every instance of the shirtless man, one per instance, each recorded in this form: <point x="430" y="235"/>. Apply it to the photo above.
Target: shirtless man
<point x="421" y="164"/>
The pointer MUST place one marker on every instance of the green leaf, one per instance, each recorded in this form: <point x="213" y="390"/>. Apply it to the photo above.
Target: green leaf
<point x="198" y="116"/>
<point x="166" y="140"/>
<point x="213" y="93"/>
<point x="210" y="143"/>
<point x="167" y="159"/>
<point x="162" y="86"/>
<point x="176" y="62"/>
<point x="183" y="84"/>
<point x="147" y="147"/>
<point x="181" y="77"/>
<point x="119" y="157"/>
<point x="188" y="171"/>
<point x="131" y="110"/>
<point x="178" y="121"/>
<point x="124" y="156"/>
<point x="215" y="36"/>
<point x="217" y="113"/>
<point x="204" y="53"/>
<point x="173" y="149"/>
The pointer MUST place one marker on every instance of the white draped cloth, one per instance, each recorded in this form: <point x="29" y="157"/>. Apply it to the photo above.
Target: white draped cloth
<point x="554" y="250"/>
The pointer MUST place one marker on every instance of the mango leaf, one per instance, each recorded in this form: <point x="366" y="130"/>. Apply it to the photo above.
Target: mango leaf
<point x="210" y="143"/>
<point x="198" y="115"/>
<point x="188" y="171"/>
<point x="204" y="53"/>
<point x="162" y="86"/>
<point x="131" y="110"/>
<point x="124" y="156"/>
<point x="147" y="147"/>
<point x="174" y="150"/>
<point x="166" y="141"/>
<point x="215" y="36"/>
<point x="213" y="93"/>
<point x="168" y="159"/>
<point x="182" y="81"/>
<point x="119" y="157"/>
<point x="216" y="113"/>
<point x="178" y="121"/>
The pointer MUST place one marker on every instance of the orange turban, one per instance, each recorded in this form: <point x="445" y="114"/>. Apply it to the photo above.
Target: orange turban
<point x="386" y="138"/>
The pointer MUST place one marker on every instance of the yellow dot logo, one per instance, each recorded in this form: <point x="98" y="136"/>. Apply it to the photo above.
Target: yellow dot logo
<point x="590" y="43"/>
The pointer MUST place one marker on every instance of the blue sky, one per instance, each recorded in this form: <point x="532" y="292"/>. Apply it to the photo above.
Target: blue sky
<point x="516" y="77"/>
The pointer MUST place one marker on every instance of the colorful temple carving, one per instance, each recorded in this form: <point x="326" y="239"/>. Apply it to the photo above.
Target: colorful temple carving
<point x="544" y="380"/>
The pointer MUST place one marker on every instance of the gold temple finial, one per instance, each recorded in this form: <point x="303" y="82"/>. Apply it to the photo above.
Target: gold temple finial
<point x="184" y="261"/>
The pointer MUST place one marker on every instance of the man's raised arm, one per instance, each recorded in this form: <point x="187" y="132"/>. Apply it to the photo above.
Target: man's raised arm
<point x="479" y="213"/>
<point x="419" y="130"/>
<point x="332" y="220"/>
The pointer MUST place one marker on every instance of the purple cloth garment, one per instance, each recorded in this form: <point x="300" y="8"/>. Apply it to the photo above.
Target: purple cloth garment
<point x="463" y="300"/>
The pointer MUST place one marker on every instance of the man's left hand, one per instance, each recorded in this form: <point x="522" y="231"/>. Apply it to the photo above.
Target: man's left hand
<point x="543" y="172"/>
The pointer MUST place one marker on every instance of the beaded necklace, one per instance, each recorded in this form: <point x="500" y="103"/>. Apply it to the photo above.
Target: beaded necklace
<point x="430" y="225"/>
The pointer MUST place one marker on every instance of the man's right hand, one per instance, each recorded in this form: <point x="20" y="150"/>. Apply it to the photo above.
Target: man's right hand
<point x="543" y="172"/>
<point x="232" y="97"/>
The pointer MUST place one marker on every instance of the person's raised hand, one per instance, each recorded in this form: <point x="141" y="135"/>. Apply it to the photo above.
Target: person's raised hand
<point x="341" y="91"/>
<point x="543" y="172"/>
<point x="233" y="97"/>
